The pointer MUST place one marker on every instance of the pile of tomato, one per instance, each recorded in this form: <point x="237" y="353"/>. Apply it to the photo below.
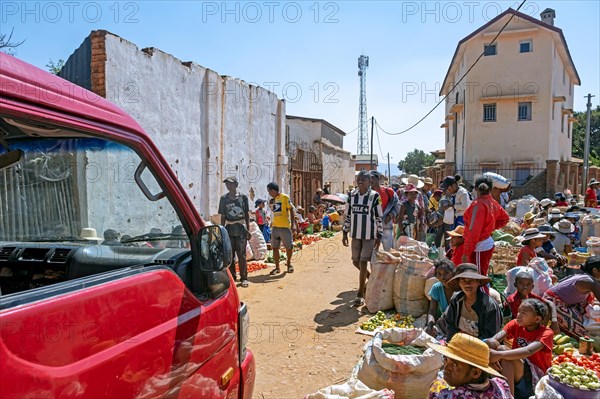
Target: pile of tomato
<point x="252" y="267"/>
<point x="307" y="240"/>
<point x="589" y="362"/>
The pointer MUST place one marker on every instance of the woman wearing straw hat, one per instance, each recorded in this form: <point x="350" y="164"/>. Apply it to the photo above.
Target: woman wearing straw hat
<point x="471" y="311"/>
<point x="467" y="371"/>
<point x="531" y="240"/>
<point x="562" y="243"/>
<point x="573" y="294"/>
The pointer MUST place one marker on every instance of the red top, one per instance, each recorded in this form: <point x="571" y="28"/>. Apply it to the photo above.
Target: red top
<point x="562" y="203"/>
<point x="514" y="301"/>
<point x="457" y="254"/>
<point x="525" y="250"/>
<point x="482" y="217"/>
<point x="522" y="338"/>
<point x="590" y="198"/>
<point x="386" y="194"/>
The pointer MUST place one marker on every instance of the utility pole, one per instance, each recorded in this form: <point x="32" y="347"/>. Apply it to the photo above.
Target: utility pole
<point x="372" y="125"/>
<point x="586" y="147"/>
<point x="389" y="173"/>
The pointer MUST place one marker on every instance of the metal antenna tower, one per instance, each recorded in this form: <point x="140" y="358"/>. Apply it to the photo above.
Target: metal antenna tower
<point x="363" y="137"/>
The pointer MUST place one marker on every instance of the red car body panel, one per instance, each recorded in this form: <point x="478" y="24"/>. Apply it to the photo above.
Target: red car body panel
<point x="143" y="334"/>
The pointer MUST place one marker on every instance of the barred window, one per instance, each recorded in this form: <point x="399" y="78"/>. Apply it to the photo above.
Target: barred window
<point x="525" y="111"/>
<point x="489" y="112"/>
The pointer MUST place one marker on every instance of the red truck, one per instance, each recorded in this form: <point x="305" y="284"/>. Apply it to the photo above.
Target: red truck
<point x="111" y="286"/>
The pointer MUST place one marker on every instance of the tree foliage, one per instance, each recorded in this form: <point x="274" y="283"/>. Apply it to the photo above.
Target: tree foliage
<point x="579" y="135"/>
<point x="55" y="67"/>
<point x="416" y="161"/>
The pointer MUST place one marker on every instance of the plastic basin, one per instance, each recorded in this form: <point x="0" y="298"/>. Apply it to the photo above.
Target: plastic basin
<point x="570" y="392"/>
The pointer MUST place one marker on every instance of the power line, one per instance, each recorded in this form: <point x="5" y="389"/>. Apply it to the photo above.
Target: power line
<point x="457" y="83"/>
<point x="378" y="142"/>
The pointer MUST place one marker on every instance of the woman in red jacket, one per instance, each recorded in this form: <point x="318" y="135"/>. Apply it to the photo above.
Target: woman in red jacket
<point x="482" y="217"/>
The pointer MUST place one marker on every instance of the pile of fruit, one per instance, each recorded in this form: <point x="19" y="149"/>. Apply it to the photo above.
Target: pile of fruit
<point x="380" y="320"/>
<point x="327" y="234"/>
<point x="307" y="240"/>
<point x="564" y="344"/>
<point x="575" y="376"/>
<point x="591" y="363"/>
<point x="252" y="267"/>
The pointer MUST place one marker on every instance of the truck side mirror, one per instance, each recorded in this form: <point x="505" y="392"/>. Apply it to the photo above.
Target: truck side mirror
<point x="215" y="249"/>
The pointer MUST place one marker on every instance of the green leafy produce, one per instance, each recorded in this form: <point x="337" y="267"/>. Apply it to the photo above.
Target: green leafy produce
<point x="271" y="259"/>
<point x="395" y="349"/>
<point x="327" y="234"/>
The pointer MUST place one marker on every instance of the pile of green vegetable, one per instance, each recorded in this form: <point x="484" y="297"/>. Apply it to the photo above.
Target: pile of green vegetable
<point x="327" y="234"/>
<point x="396" y="349"/>
<point x="271" y="259"/>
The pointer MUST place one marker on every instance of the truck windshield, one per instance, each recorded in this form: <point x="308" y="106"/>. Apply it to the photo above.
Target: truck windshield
<point x="81" y="189"/>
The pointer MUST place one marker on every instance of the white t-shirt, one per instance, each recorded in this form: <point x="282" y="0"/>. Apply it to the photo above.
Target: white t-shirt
<point x="559" y="243"/>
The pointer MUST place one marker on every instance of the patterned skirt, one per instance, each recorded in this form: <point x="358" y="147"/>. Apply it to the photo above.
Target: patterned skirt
<point x="570" y="317"/>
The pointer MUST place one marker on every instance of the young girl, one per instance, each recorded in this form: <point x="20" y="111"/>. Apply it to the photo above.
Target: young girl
<point x="261" y="215"/>
<point x="440" y="293"/>
<point x="531" y="239"/>
<point x="531" y="353"/>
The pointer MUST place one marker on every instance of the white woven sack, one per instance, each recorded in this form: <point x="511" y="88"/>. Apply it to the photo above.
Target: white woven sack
<point x="379" y="295"/>
<point x="407" y="244"/>
<point x="409" y="376"/>
<point x="590" y="227"/>
<point x="539" y="269"/>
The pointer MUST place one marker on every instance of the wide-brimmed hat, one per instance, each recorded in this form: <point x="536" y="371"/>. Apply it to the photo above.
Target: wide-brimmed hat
<point x="457" y="232"/>
<point x="428" y="180"/>
<point x="539" y="221"/>
<point x="89" y="233"/>
<point x="564" y="226"/>
<point x="410" y="188"/>
<point x="546" y="229"/>
<point x="414" y="180"/>
<point x="572" y="215"/>
<point x="554" y="214"/>
<point x="547" y="201"/>
<point x="528" y="216"/>
<point x="469" y="350"/>
<point x="299" y="208"/>
<point x="593" y="181"/>
<point x="467" y="270"/>
<point x="530" y="234"/>
<point x="319" y="190"/>
<point x="438" y="191"/>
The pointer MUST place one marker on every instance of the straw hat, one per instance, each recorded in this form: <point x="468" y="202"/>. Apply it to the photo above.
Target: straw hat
<point x="564" y="226"/>
<point x="546" y="229"/>
<point x="467" y="270"/>
<point x="469" y="350"/>
<point x="428" y="180"/>
<point x="547" y="201"/>
<point x="531" y="234"/>
<point x="592" y="182"/>
<point x="89" y="233"/>
<point x="554" y="214"/>
<point x="528" y="216"/>
<point x="539" y="221"/>
<point x="413" y="179"/>
<point x="457" y="232"/>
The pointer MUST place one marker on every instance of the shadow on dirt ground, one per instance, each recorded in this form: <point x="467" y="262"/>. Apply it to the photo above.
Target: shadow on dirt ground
<point x="343" y="315"/>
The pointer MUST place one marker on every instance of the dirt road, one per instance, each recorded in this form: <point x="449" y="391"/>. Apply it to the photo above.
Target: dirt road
<point x="302" y="324"/>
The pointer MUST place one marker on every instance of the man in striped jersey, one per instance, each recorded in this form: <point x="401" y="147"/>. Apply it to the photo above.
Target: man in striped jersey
<point x="363" y="221"/>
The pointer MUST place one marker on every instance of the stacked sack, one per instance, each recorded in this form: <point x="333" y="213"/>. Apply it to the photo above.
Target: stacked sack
<point x="409" y="284"/>
<point x="590" y="227"/>
<point x="379" y="295"/>
<point x="258" y="246"/>
<point x="593" y="246"/>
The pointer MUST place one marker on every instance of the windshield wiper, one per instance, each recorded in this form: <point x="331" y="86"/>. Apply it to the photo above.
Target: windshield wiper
<point x="156" y="237"/>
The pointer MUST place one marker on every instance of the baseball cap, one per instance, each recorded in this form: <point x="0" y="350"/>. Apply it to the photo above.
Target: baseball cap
<point x="230" y="179"/>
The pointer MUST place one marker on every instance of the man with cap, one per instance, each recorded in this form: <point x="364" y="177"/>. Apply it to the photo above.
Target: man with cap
<point x="467" y="371"/>
<point x="363" y="222"/>
<point x="591" y="199"/>
<point x="390" y="205"/>
<point x="235" y="216"/>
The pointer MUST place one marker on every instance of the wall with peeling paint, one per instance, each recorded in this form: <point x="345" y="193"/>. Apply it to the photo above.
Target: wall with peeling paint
<point x="206" y="125"/>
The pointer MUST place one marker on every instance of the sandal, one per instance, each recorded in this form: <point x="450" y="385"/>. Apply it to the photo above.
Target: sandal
<point x="358" y="302"/>
<point x="244" y="283"/>
<point x="290" y="269"/>
<point x="275" y="271"/>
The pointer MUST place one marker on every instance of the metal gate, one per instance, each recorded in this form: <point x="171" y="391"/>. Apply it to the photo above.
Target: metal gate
<point x="306" y="177"/>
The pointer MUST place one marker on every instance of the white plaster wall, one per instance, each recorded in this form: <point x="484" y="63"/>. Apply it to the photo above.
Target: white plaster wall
<point x="206" y="126"/>
<point x="304" y="133"/>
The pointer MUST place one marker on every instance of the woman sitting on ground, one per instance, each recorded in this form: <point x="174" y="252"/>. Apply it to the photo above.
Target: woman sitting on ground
<point x="471" y="311"/>
<point x="531" y="240"/>
<point x="573" y="294"/>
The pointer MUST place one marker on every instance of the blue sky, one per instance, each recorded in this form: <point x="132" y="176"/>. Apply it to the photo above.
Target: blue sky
<point x="307" y="51"/>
